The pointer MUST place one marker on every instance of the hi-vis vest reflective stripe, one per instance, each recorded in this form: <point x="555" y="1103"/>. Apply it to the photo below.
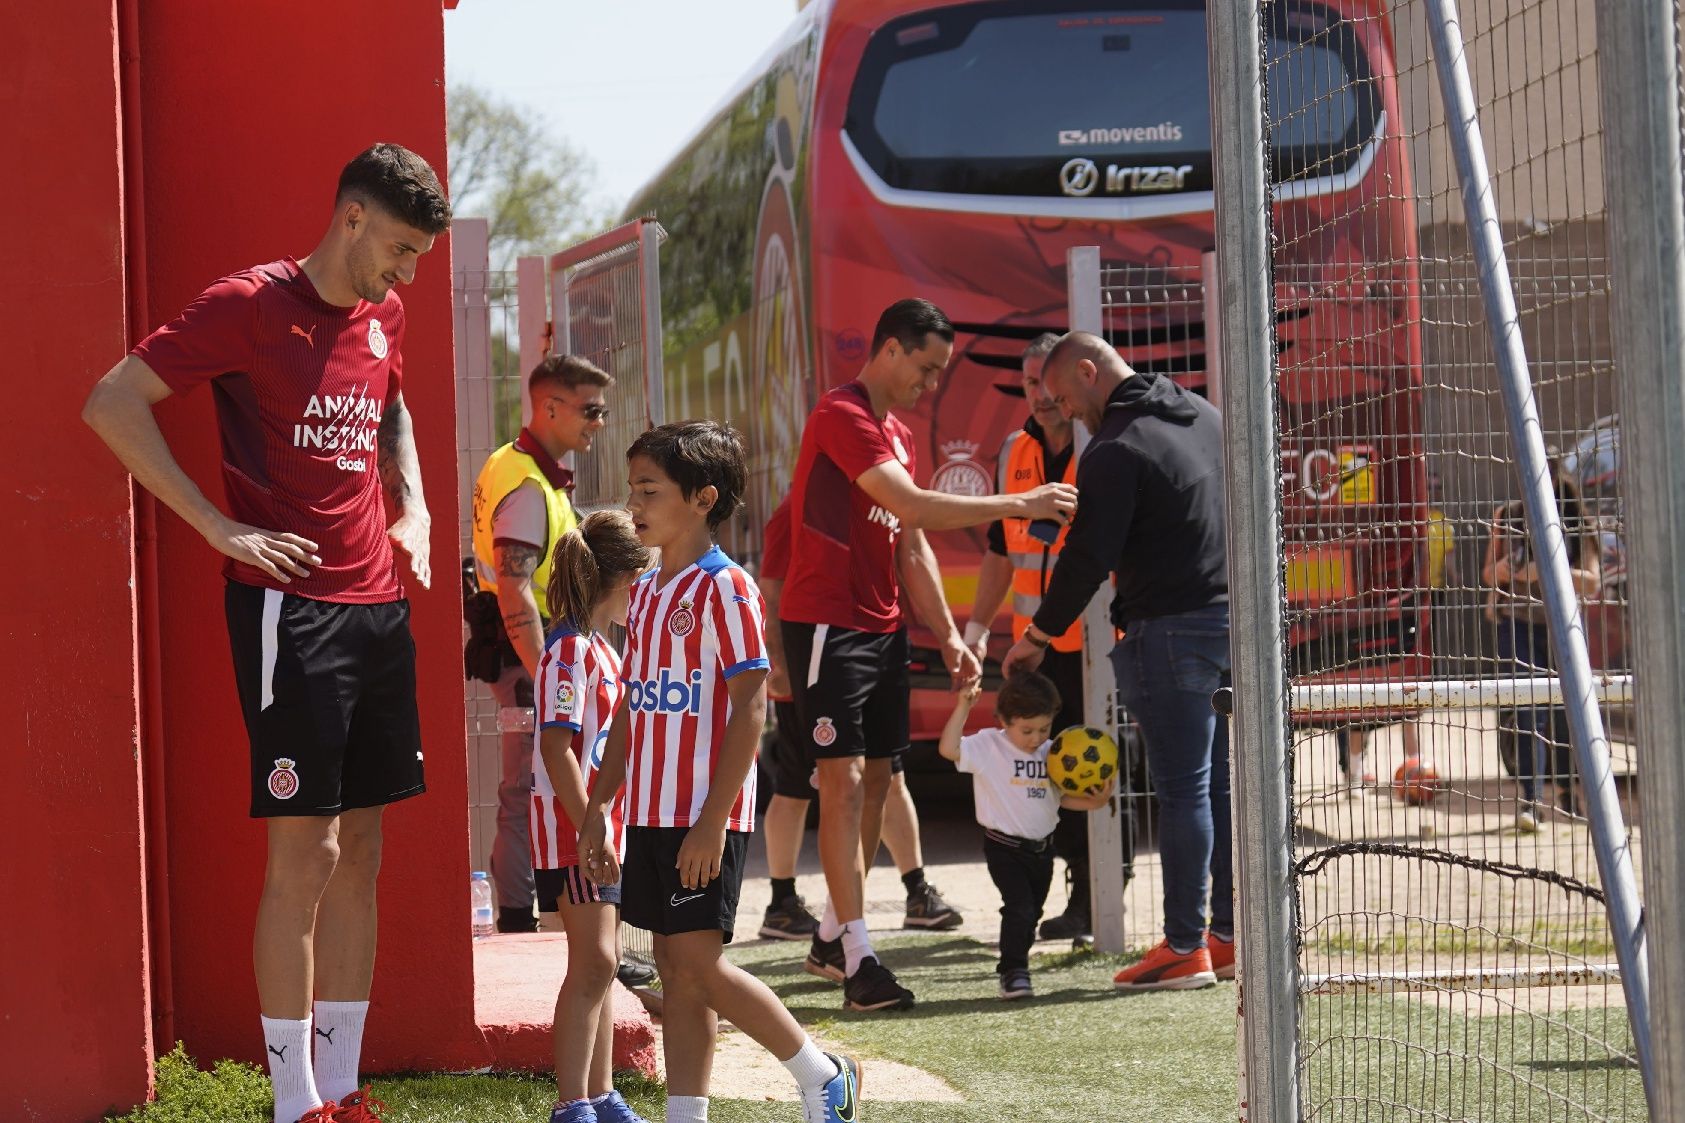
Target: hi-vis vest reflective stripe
<point x="507" y="469"/>
<point x="1022" y="469"/>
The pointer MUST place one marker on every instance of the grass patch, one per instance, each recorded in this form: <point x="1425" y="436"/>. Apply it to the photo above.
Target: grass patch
<point x="1076" y="1052"/>
<point x="1378" y="1059"/>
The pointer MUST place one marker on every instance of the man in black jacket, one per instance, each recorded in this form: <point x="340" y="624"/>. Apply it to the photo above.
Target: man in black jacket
<point x="1150" y="510"/>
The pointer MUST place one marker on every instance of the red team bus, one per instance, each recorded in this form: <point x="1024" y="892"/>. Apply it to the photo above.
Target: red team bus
<point x="955" y="151"/>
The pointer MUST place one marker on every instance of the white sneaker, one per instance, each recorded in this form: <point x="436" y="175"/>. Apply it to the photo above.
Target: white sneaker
<point x="1527" y="821"/>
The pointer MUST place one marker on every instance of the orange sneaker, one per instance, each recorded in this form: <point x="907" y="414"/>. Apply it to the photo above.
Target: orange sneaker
<point x="1222" y="955"/>
<point x="1165" y="969"/>
<point x="359" y="1107"/>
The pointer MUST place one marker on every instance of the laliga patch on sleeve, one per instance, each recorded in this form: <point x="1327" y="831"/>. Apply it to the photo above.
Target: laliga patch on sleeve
<point x="564" y="699"/>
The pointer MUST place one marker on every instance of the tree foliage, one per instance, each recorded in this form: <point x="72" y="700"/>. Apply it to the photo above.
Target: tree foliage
<point x="537" y="191"/>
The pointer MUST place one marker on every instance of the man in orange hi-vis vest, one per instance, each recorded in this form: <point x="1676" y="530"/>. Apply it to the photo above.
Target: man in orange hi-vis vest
<point x="1018" y="562"/>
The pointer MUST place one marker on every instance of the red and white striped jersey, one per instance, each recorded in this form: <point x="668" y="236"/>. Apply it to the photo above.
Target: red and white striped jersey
<point x="578" y="688"/>
<point x="684" y="641"/>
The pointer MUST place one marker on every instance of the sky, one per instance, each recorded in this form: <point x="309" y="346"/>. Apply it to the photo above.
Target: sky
<point x="626" y="81"/>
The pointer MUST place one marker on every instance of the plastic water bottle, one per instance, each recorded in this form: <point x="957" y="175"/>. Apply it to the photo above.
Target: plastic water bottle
<point x="480" y="892"/>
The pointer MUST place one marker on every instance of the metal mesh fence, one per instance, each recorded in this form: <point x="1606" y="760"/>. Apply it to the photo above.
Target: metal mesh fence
<point x="489" y="390"/>
<point x="604" y="320"/>
<point x="1455" y="950"/>
<point x="1155" y="316"/>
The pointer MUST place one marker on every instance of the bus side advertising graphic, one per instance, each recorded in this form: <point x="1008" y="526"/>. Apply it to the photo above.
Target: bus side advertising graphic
<point x="956" y="152"/>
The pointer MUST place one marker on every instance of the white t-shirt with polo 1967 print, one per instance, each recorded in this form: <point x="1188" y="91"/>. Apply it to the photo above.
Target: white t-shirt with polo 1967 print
<point x="1011" y="788"/>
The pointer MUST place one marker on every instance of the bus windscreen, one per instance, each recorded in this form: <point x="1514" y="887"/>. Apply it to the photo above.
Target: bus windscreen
<point x="1015" y="99"/>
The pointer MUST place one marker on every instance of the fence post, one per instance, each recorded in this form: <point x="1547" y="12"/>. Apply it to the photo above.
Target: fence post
<point x="1538" y="496"/>
<point x="1082" y="278"/>
<point x="471" y="308"/>
<point x="1266" y="951"/>
<point x="541" y="333"/>
<point x="1646" y="207"/>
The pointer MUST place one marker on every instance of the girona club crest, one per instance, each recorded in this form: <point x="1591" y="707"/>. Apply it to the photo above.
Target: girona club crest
<point x="824" y="733"/>
<point x="683" y="620"/>
<point x="283" y="782"/>
<point x="377" y="340"/>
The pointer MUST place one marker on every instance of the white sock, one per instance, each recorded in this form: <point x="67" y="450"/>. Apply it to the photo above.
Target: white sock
<point x="339" y="1047"/>
<point x="687" y="1109"/>
<point x="288" y="1053"/>
<point x="811" y="1067"/>
<point x="857" y="945"/>
<point x="829" y="928"/>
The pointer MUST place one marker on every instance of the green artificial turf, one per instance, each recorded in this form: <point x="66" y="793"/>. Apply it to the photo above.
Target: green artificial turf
<point x="1076" y="1052"/>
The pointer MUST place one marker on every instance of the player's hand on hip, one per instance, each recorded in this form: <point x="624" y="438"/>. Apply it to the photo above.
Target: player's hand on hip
<point x="410" y="536"/>
<point x="282" y="556"/>
<point x="699" y="856"/>
<point x="1052" y="501"/>
<point x="1024" y="656"/>
<point x="962" y="664"/>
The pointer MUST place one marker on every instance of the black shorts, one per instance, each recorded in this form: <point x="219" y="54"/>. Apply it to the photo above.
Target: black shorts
<point x="651" y="897"/>
<point x="851" y="690"/>
<point x="328" y="693"/>
<point x="786" y="758"/>
<point x="571" y="882"/>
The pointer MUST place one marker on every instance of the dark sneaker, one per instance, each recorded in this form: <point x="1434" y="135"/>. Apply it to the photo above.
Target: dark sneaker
<point x="927" y="909"/>
<point x="633" y="974"/>
<point x="873" y="987"/>
<point x="1069" y="926"/>
<point x="825" y="959"/>
<point x="516" y="920"/>
<point x="838" y="1101"/>
<point x="1016" y="984"/>
<point x="789" y="920"/>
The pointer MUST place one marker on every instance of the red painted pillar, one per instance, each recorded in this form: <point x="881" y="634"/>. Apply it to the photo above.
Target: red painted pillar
<point x="76" y="1040"/>
<point x="250" y="111"/>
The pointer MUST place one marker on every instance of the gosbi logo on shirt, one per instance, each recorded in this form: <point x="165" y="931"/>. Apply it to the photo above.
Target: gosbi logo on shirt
<point x="666" y="695"/>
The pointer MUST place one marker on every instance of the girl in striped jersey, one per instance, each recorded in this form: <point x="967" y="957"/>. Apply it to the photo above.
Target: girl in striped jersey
<point x="685" y="736"/>
<point x="577" y="689"/>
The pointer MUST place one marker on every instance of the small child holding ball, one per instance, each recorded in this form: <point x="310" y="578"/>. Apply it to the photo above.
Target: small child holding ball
<point x="1017" y="806"/>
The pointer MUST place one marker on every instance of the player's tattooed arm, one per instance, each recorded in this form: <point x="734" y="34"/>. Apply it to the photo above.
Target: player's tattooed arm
<point x="516" y="562"/>
<point x="400" y="475"/>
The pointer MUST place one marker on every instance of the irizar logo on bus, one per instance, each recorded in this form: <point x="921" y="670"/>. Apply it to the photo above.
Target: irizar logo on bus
<point x="1079" y="177"/>
<point x="666" y="695"/>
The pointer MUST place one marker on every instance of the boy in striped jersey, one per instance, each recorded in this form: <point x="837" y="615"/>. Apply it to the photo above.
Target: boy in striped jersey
<point x="684" y="740"/>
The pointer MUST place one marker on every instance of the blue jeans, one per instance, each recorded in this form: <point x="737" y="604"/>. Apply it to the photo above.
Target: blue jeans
<point x="1167" y="669"/>
<point x="1542" y="751"/>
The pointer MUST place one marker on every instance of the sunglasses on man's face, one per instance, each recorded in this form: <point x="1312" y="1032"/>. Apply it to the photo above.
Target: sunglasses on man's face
<point x="593" y="411"/>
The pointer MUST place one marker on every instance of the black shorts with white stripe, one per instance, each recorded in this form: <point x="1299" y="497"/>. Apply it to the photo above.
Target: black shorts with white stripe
<point x="571" y="882"/>
<point x="328" y="694"/>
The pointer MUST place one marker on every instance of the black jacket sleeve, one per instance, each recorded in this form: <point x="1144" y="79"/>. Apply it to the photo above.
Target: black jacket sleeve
<point x="997" y="538"/>
<point x="1108" y="478"/>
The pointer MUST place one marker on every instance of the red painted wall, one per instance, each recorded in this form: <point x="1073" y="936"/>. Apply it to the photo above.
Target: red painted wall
<point x="75" y="1035"/>
<point x="249" y="111"/>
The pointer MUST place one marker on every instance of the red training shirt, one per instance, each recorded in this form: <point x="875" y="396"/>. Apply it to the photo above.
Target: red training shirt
<point x="300" y="388"/>
<point x="842" y="544"/>
<point x="775" y="544"/>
